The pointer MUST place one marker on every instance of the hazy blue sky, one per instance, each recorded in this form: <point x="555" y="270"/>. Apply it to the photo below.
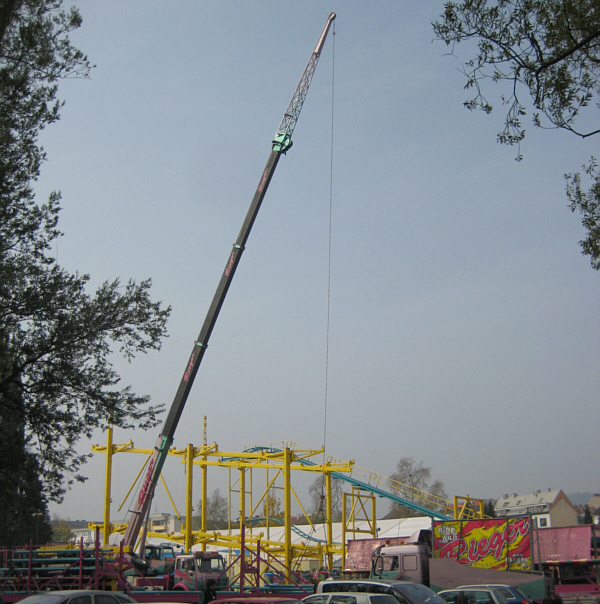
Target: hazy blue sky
<point x="464" y="322"/>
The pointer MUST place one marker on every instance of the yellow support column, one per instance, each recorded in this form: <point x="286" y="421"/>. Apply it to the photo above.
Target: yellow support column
<point x="343" y="532"/>
<point x="374" y="516"/>
<point x="287" y="509"/>
<point x="329" y="521"/>
<point x="204" y="486"/>
<point x="242" y="500"/>
<point x="188" y="503"/>
<point x="107" y="482"/>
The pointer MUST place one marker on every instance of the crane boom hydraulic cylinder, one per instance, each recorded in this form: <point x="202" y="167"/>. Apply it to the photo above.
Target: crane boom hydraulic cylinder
<point x="281" y="143"/>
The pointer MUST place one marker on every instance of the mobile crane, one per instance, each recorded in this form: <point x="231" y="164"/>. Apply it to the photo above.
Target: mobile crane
<point x="281" y="144"/>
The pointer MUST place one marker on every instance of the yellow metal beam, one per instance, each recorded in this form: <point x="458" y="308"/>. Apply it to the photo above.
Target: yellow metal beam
<point x="107" y="484"/>
<point x="188" y="506"/>
<point x="287" y="508"/>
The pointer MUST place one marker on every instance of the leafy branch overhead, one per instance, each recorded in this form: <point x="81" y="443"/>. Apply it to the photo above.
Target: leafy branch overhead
<point x="549" y="49"/>
<point x="545" y="56"/>
<point x="57" y="337"/>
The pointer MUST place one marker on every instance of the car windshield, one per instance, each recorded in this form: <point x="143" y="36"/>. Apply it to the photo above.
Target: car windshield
<point x="418" y="594"/>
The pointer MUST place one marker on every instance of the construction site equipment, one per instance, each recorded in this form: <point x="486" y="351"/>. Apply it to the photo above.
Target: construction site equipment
<point x="281" y="144"/>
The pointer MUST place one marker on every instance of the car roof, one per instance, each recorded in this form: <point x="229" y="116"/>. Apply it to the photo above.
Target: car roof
<point x="386" y="581"/>
<point x="65" y="593"/>
<point x="484" y="587"/>
<point x="492" y="585"/>
<point x="70" y="592"/>
<point x="327" y="594"/>
<point x="343" y="593"/>
<point x="258" y="599"/>
<point x="472" y="588"/>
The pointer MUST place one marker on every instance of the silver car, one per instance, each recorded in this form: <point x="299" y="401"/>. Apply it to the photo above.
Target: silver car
<point x="350" y="598"/>
<point x="405" y="592"/>
<point x="473" y="595"/>
<point x="78" y="596"/>
<point x="512" y="594"/>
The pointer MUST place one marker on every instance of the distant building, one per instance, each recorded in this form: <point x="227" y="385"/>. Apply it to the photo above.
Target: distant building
<point x="594" y="504"/>
<point x="164" y="523"/>
<point x="87" y="534"/>
<point x="547" y="508"/>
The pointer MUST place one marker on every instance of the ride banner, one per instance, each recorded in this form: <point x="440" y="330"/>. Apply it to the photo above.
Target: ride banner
<point x="499" y="544"/>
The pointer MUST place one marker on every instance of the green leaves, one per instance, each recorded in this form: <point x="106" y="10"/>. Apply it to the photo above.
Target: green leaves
<point x="587" y="203"/>
<point x="548" y="48"/>
<point x="57" y="338"/>
<point x="545" y="57"/>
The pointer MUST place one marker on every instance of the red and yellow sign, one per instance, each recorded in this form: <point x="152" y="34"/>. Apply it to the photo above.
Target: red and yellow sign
<point x="500" y="544"/>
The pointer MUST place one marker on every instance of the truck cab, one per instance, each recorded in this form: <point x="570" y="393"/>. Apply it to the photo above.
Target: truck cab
<point x="192" y="571"/>
<point x="409" y="562"/>
<point x="160" y="558"/>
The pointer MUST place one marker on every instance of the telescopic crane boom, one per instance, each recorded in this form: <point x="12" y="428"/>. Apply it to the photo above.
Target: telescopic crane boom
<point x="281" y="143"/>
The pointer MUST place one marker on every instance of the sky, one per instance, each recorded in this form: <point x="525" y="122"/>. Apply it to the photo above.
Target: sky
<point x="408" y="289"/>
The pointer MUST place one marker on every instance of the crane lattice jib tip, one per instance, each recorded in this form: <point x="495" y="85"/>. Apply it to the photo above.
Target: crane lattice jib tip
<point x="283" y="139"/>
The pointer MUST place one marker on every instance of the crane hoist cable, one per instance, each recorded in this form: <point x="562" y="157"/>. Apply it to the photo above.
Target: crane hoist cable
<point x="280" y="145"/>
<point x="326" y="396"/>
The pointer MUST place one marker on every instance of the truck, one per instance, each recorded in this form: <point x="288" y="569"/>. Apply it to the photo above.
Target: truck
<point x="192" y="571"/>
<point x="416" y="559"/>
<point x="570" y="555"/>
<point x="414" y="562"/>
<point x="159" y="559"/>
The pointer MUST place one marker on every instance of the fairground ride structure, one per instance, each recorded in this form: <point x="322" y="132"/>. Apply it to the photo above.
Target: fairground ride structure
<point x="284" y="459"/>
<point x="280" y="462"/>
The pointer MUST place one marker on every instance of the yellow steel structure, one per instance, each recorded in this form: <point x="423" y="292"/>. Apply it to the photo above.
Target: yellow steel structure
<point x="466" y="508"/>
<point x="107" y="486"/>
<point x="278" y="462"/>
<point x="355" y="511"/>
<point x="283" y="461"/>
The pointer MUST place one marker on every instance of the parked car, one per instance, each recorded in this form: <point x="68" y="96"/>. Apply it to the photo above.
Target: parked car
<point x="258" y="600"/>
<point x="512" y="594"/>
<point x="346" y="597"/>
<point x="405" y="592"/>
<point x="473" y="595"/>
<point x="78" y="596"/>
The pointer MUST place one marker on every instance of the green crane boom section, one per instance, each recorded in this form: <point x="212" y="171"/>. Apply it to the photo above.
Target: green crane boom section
<point x="281" y="143"/>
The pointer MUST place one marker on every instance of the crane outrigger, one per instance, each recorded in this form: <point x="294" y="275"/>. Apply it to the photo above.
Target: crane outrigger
<point x="281" y="144"/>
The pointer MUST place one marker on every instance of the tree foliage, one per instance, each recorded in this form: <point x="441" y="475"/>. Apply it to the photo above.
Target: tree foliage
<point x="587" y="202"/>
<point x="57" y="338"/>
<point x="416" y="476"/>
<point x="488" y="509"/>
<point x="61" y="532"/>
<point x="546" y="54"/>
<point x="22" y="501"/>
<point x="217" y="511"/>
<point x="318" y="496"/>
<point x="271" y="508"/>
